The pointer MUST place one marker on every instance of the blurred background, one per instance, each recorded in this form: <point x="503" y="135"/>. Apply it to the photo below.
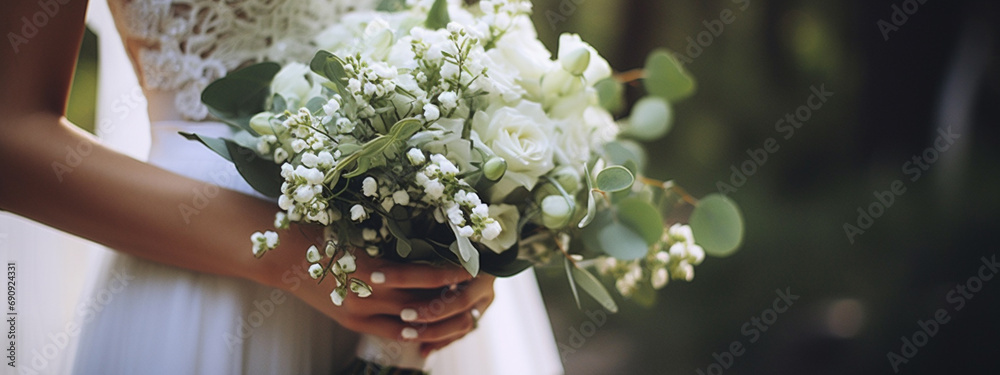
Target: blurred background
<point x="897" y="75"/>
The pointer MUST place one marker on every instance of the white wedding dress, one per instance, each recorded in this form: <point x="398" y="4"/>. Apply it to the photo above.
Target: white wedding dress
<point x="156" y="319"/>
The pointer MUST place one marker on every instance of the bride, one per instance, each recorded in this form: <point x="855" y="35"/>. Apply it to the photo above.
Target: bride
<point x="188" y="295"/>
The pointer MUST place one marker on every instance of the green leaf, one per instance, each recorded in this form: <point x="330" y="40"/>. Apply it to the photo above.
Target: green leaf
<point x="437" y="17"/>
<point x="215" y="144"/>
<point x="315" y="104"/>
<point x="403" y="245"/>
<point x="610" y="94"/>
<point x="614" y="178"/>
<point x="240" y="95"/>
<point x="650" y="119"/>
<point x="467" y="254"/>
<point x="278" y="104"/>
<point x="330" y="66"/>
<point x="591" y="201"/>
<point x="572" y="282"/>
<point x="594" y="288"/>
<point x="641" y="217"/>
<point x="374" y="153"/>
<point x="391" y="5"/>
<point x="666" y="77"/>
<point x="620" y="241"/>
<point x="262" y="174"/>
<point x="622" y="152"/>
<point x="717" y="225"/>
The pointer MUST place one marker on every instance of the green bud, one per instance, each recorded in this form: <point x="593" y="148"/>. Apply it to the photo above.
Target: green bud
<point x="576" y="61"/>
<point x="261" y="123"/>
<point x="568" y="178"/>
<point x="556" y="212"/>
<point x="494" y="168"/>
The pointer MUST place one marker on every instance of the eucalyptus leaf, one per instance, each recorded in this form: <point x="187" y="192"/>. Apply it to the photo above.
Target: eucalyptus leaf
<point x="666" y="77"/>
<point x="610" y="94"/>
<point x="594" y="288"/>
<point x="614" y="178"/>
<point x="641" y="217"/>
<point x="240" y="95"/>
<point x="215" y="144"/>
<point x="650" y="119"/>
<point x="261" y="174"/>
<point x="618" y="240"/>
<point x="621" y="152"/>
<point x="278" y="103"/>
<point x="437" y="17"/>
<point x="717" y="225"/>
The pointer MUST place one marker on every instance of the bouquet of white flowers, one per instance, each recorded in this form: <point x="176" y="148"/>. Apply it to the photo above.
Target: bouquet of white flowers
<point x="429" y="130"/>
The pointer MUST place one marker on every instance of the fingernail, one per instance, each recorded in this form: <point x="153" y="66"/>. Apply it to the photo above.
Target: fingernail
<point x="409" y="333"/>
<point x="408" y="315"/>
<point x="378" y="277"/>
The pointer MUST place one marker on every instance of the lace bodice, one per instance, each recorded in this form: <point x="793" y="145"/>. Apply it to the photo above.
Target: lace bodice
<point x="180" y="46"/>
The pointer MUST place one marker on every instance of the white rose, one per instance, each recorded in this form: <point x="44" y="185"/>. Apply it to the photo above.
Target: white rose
<point x="292" y="84"/>
<point x="522" y="136"/>
<point x="508" y="216"/>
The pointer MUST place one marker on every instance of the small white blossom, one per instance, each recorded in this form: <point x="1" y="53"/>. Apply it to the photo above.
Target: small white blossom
<point x="401" y="197"/>
<point x="280" y="155"/>
<point x="431" y="112"/>
<point x="660" y="278"/>
<point x="298" y="145"/>
<point x="281" y="220"/>
<point x="369" y="234"/>
<point x="358" y="213"/>
<point x="416" y="156"/>
<point x="312" y="255"/>
<point x="466" y="231"/>
<point x="346" y="263"/>
<point x="448" y="100"/>
<point x="369" y="187"/>
<point x="492" y="230"/>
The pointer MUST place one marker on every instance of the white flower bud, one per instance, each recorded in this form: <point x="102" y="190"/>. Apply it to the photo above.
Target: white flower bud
<point x="369" y="234"/>
<point x="678" y="250"/>
<point x="304" y="194"/>
<point x="660" y="278"/>
<point x="448" y="100"/>
<point x="312" y="255"/>
<point x="466" y="231"/>
<point x="358" y="213"/>
<point x="261" y="123"/>
<point x="431" y="112"/>
<point x="369" y="187"/>
<point x="315" y="271"/>
<point x="363" y="291"/>
<point x="492" y="230"/>
<point x="575" y="61"/>
<point x="401" y="197"/>
<point x="281" y="220"/>
<point x="337" y="296"/>
<point x="416" y="156"/>
<point x="310" y="159"/>
<point x="495" y="168"/>
<point x="285" y="202"/>
<point x="556" y="212"/>
<point x="271" y="239"/>
<point x="695" y="254"/>
<point x="346" y="263"/>
<point x="280" y="155"/>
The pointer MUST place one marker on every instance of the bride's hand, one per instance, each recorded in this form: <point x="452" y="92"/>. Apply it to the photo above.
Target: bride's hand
<point x="433" y="305"/>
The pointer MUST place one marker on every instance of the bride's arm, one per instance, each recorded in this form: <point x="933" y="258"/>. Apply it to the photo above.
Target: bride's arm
<point x="134" y="207"/>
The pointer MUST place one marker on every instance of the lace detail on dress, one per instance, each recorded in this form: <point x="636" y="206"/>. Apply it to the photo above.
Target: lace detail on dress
<point x="186" y="44"/>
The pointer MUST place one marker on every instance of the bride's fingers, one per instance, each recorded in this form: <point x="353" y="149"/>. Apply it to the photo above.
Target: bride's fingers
<point x="422" y="306"/>
<point x="476" y="313"/>
<point x="392" y="327"/>
<point x="411" y="275"/>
